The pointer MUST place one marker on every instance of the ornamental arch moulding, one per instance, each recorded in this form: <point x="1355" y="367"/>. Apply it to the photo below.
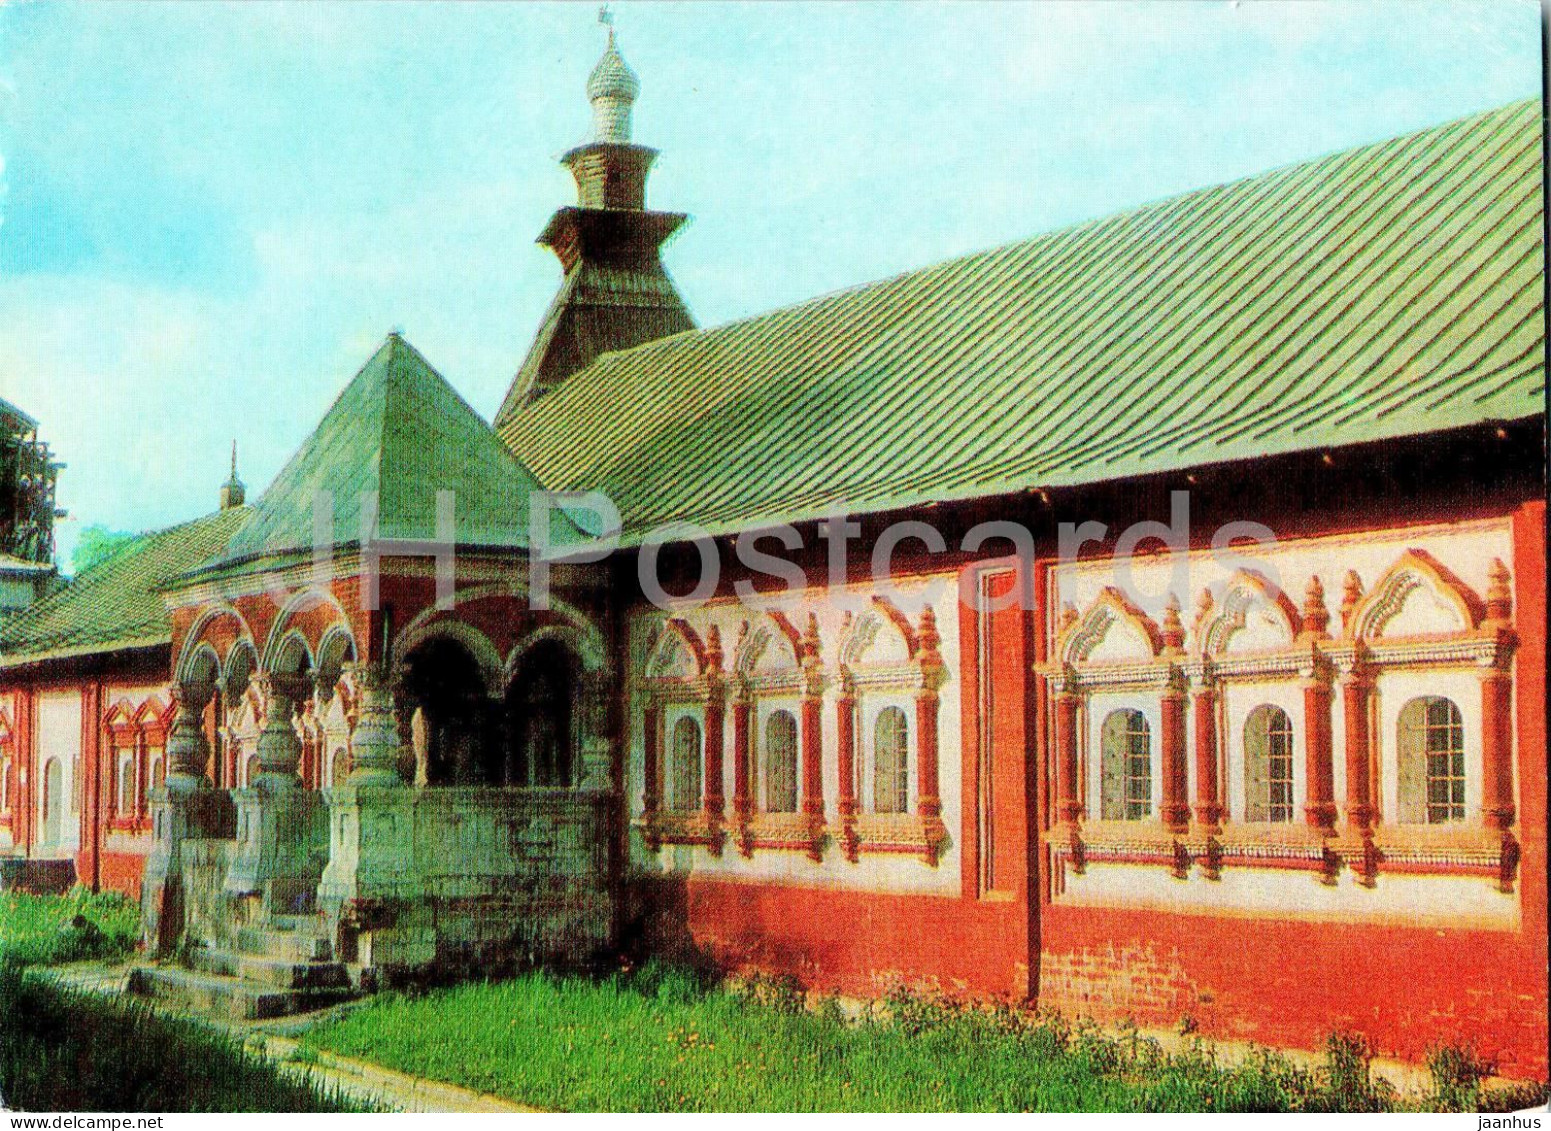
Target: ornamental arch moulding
<point x="296" y="620"/>
<point x="1112" y="630"/>
<point x="201" y="665"/>
<point x="290" y="654"/>
<point x="879" y="635"/>
<point x="768" y="644"/>
<point x="219" y="628"/>
<point x="676" y="652"/>
<point x="588" y="641"/>
<point x="492" y="669"/>
<point x="584" y="642"/>
<point x="241" y="666"/>
<point x="1418" y="596"/>
<point x="1253" y="615"/>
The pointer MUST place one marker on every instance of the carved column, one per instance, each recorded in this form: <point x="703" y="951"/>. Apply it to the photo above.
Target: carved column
<point x="715" y="727"/>
<point x="712" y="796"/>
<point x="1319" y="797"/>
<point x="813" y="738"/>
<point x="845" y="731"/>
<point x="374" y="744"/>
<point x="188" y="751"/>
<point x="1319" y="769"/>
<point x="279" y="749"/>
<point x="185" y="807"/>
<point x="1176" y="789"/>
<point x="651" y="763"/>
<point x="1068" y="796"/>
<point x="813" y="766"/>
<point x="933" y="674"/>
<point x="1208" y="800"/>
<point x="1356" y="690"/>
<point x="1497" y="807"/>
<point x="742" y="788"/>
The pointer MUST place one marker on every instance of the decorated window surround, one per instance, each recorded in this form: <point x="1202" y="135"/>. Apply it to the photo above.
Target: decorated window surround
<point x="911" y="683"/>
<point x="134" y="736"/>
<point x="797" y="687"/>
<point x="681" y="669"/>
<point x="683" y="675"/>
<point x="7" y="766"/>
<point x="1349" y="664"/>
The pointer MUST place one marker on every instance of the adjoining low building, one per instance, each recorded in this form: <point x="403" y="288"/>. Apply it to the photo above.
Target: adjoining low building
<point x="1275" y="785"/>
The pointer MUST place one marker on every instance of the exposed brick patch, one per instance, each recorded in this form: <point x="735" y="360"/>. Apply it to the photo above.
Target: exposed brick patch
<point x="1138" y="980"/>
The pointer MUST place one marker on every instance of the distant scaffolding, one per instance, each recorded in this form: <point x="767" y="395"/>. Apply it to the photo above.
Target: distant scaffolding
<point x="28" y="474"/>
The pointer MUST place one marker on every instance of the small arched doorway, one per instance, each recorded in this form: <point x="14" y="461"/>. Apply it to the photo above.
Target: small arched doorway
<point x="443" y="694"/>
<point x="541" y="717"/>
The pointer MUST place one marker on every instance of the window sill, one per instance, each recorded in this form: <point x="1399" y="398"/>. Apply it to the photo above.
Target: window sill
<point x="780" y="832"/>
<point x="1456" y="851"/>
<point x="665" y="828"/>
<point x="889" y="833"/>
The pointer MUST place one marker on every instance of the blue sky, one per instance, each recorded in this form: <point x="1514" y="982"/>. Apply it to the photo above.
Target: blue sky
<point x="212" y="214"/>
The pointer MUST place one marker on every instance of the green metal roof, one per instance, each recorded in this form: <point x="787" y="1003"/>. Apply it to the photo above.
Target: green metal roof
<point x="1387" y="290"/>
<point x="400" y="431"/>
<point x="116" y="604"/>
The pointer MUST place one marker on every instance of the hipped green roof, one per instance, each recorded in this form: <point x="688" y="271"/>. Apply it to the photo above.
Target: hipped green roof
<point x="1388" y="290"/>
<point x="116" y="604"/>
<point x="401" y="432"/>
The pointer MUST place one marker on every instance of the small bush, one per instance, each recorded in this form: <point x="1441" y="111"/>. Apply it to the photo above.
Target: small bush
<point x="1346" y="1080"/>
<point x="779" y="993"/>
<point x="1457" y="1074"/>
<point x="50" y="929"/>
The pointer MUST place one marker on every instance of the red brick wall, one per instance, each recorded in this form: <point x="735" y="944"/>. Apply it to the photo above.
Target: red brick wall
<point x="848" y="941"/>
<point x="1290" y="983"/>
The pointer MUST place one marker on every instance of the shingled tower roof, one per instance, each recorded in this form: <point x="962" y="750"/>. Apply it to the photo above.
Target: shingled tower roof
<point x="616" y="293"/>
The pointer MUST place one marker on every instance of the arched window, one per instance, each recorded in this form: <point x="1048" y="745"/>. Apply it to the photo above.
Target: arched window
<point x="1126" y="767"/>
<point x="252" y="771"/>
<point x="158" y="775"/>
<point x="1268" y="765"/>
<point x="781" y="763"/>
<point x="1431" y="746"/>
<point x="890" y="773"/>
<point x="685" y="797"/>
<point x="53" y="801"/>
<point x="339" y="767"/>
<point x="126" y="783"/>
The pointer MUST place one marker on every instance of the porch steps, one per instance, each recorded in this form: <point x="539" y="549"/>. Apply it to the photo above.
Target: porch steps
<point x="283" y="973"/>
<point x="279" y="942"/>
<point x="284" y="967"/>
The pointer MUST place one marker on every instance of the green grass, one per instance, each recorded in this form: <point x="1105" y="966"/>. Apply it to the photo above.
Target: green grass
<point x="659" y="1041"/>
<point x="40" y="930"/>
<point x="62" y="1050"/>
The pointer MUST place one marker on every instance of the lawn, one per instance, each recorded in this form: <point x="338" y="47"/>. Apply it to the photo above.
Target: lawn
<point x="79" y="1052"/>
<point x="62" y="1050"/>
<point x="38" y="930"/>
<point x="660" y="1041"/>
